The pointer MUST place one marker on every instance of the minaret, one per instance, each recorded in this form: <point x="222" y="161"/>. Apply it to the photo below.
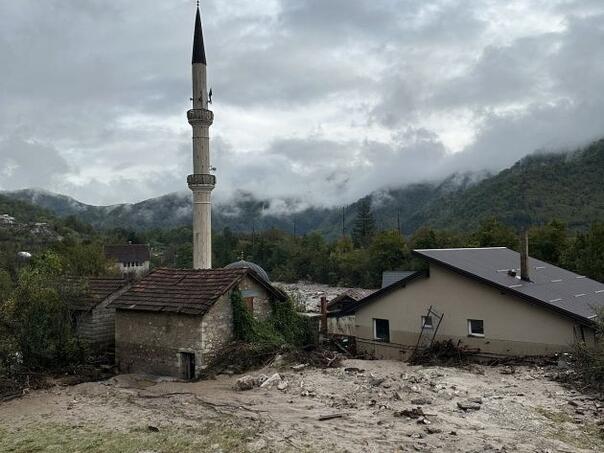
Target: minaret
<point x="201" y="182"/>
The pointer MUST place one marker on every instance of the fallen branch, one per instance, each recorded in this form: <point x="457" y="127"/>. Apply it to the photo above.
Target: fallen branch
<point x="330" y="417"/>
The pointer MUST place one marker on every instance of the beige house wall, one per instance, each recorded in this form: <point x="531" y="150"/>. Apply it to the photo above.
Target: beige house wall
<point x="512" y="326"/>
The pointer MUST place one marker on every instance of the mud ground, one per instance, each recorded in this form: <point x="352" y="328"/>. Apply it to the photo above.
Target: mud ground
<point x="376" y="403"/>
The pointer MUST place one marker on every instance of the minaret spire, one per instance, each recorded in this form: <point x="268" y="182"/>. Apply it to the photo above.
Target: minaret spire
<point x="199" y="51"/>
<point x="201" y="182"/>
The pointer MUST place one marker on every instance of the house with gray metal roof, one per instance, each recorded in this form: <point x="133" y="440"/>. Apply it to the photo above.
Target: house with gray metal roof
<point x="487" y="299"/>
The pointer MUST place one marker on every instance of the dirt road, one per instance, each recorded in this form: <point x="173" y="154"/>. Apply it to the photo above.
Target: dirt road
<point x="380" y="406"/>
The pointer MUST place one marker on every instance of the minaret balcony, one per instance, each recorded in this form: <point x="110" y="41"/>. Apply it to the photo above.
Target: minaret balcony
<point x="200" y="180"/>
<point x="200" y="116"/>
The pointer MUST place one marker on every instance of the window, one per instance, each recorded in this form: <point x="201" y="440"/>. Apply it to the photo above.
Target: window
<point x="427" y="322"/>
<point x="476" y="327"/>
<point x="381" y="330"/>
<point x="249" y="303"/>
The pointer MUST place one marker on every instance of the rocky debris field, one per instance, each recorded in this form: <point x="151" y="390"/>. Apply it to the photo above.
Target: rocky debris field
<point x="361" y="406"/>
<point x="309" y="294"/>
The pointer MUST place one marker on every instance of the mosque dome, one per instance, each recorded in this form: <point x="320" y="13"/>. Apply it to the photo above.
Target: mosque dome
<point x="242" y="264"/>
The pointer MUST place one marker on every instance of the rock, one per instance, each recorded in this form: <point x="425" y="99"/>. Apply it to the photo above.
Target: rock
<point x="246" y="383"/>
<point x="508" y="370"/>
<point x="416" y="412"/>
<point x="573" y="403"/>
<point x="275" y="379"/>
<point x="433" y="430"/>
<point x="423" y="421"/>
<point x="352" y="369"/>
<point x="421" y="401"/>
<point x="153" y="429"/>
<point x="375" y="382"/>
<point x="278" y="361"/>
<point x="258" y="445"/>
<point x="299" y="367"/>
<point x="282" y="385"/>
<point x="468" y="405"/>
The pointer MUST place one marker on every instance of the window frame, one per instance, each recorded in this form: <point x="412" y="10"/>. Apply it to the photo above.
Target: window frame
<point x="471" y="333"/>
<point x="375" y="330"/>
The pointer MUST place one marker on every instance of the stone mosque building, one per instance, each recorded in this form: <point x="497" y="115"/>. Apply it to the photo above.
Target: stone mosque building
<point x="174" y="321"/>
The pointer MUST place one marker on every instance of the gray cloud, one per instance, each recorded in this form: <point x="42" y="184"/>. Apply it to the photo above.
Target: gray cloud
<point x="316" y="101"/>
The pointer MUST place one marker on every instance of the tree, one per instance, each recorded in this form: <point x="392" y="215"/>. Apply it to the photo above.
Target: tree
<point x="387" y="252"/>
<point x="548" y="242"/>
<point x="586" y="254"/>
<point x="492" y="233"/>
<point x="364" y="225"/>
<point x="37" y="314"/>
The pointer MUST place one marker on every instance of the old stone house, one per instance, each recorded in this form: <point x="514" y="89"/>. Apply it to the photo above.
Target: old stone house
<point x="93" y="320"/>
<point x="482" y="299"/>
<point x="131" y="260"/>
<point x="173" y="322"/>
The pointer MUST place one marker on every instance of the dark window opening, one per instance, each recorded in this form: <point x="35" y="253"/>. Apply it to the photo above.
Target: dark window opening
<point x="382" y="330"/>
<point x="427" y="322"/>
<point x="187" y="365"/>
<point x="476" y="327"/>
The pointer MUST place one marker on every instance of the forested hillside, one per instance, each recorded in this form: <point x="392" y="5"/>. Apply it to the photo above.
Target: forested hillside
<point x="539" y="188"/>
<point x="568" y="187"/>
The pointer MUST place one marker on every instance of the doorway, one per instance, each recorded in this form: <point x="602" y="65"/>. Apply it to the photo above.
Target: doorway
<point x="187" y="365"/>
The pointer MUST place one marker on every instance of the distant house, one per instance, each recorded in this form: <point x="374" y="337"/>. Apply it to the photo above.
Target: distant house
<point x="173" y="322"/>
<point x="344" y="325"/>
<point x="94" y="322"/>
<point x="131" y="259"/>
<point x="391" y="277"/>
<point x="486" y="302"/>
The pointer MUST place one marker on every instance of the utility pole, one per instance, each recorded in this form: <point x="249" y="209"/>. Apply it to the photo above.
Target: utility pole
<point x="398" y="221"/>
<point x="343" y="221"/>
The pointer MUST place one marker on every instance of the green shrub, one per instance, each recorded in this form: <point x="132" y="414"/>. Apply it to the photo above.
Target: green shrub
<point x="285" y="326"/>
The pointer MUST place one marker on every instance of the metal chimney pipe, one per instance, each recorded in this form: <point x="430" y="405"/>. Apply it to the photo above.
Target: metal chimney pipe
<point x="524" y="256"/>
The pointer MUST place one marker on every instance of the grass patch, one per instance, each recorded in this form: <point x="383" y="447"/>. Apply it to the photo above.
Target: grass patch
<point x="64" y="438"/>
<point x="585" y="435"/>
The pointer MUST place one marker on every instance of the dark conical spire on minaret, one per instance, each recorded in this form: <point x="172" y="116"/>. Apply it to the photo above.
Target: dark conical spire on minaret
<point x="199" y="51"/>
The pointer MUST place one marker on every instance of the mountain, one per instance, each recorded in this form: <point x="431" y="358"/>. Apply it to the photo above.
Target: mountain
<point x="540" y="187"/>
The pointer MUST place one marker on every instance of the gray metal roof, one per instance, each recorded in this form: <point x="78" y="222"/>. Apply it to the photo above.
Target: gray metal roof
<point x="242" y="264"/>
<point x="390" y="277"/>
<point x="550" y="285"/>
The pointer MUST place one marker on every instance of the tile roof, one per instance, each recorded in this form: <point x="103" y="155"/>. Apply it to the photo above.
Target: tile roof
<point x="97" y="289"/>
<point x="552" y="286"/>
<point x="347" y="297"/>
<point x="128" y="253"/>
<point x="185" y="291"/>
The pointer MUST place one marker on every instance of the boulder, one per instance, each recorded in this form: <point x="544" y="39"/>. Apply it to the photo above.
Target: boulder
<point x="275" y="379"/>
<point x="246" y="382"/>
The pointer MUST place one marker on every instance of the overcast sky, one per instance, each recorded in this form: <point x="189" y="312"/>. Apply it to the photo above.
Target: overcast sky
<point x="321" y="100"/>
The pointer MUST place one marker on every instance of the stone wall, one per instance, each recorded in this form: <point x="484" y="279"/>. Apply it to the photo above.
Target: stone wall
<point x="151" y="343"/>
<point x="97" y="327"/>
<point x="217" y="325"/>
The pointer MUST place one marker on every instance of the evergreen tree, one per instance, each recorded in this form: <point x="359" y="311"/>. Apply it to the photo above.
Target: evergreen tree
<point x="364" y="225"/>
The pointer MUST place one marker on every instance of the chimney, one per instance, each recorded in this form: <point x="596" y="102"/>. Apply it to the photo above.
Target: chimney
<point x="524" y="256"/>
